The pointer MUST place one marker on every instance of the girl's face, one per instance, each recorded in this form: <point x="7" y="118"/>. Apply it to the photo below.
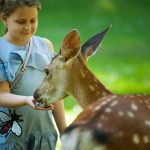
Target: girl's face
<point x="21" y="24"/>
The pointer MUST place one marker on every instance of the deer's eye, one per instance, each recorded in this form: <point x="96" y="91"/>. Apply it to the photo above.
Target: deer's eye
<point x="46" y="71"/>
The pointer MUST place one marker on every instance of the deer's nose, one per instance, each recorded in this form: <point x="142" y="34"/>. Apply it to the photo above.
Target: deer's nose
<point x="36" y="95"/>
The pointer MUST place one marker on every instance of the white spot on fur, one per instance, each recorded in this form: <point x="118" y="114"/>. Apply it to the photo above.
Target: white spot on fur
<point x="146" y="139"/>
<point x="148" y="106"/>
<point x="136" y="139"/>
<point x="97" y="108"/>
<point x="114" y="97"/>
<point x="134" y="107"/>
<point x="114" y="103"/>
<point x="82" y="74"/>
<point x="120" y="113"/>
<point x="99" y="125"/>
<point x="105" y="102"/>
<point x="131" y="96"/>
<point x="147" y="123"/>
<point x="107" y="110"/>
<point x="91" y="88"/>
<point x="146" y="101"/>
<point x="130" y="114"/>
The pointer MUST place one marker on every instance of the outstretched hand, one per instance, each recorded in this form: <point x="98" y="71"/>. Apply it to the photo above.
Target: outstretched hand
<point x="38" y="107"/>
<point x="35" y="105"/>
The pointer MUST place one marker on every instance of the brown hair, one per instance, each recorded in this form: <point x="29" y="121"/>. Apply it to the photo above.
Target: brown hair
<point x="8" y="6"/>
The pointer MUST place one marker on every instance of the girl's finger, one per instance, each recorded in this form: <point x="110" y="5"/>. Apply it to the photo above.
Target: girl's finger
<point x="50" y="107"/>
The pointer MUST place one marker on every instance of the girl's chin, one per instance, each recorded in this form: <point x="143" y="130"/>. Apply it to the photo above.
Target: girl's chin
<point x="25" y="37"/>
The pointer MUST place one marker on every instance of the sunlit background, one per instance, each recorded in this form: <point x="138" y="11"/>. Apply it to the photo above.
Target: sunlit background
<point x="122" y="63"/>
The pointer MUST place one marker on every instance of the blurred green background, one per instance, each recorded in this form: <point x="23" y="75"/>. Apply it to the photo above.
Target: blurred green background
<point x="122" y="63"/>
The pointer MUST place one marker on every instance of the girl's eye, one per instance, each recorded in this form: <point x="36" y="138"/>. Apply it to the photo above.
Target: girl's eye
<point x="33" y="21"/>
<point x="20" y="22"/>
<point x="46" y="71"/>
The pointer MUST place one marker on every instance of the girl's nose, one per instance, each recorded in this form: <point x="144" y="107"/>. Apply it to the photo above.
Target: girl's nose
<point x="27" y="26"/>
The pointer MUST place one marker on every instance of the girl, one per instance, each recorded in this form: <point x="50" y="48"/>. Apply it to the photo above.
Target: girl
<point x="21" y="126"/>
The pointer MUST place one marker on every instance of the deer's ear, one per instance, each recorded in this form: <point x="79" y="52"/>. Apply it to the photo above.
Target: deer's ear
<point x="90" y="46"/>
<point x="70" y="47"/>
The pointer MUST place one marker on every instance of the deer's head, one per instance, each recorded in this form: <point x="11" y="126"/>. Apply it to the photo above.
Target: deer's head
<point x="55" y="86"/>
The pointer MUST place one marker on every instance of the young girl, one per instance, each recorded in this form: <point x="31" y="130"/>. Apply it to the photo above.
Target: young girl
<point x="22" y="127"/>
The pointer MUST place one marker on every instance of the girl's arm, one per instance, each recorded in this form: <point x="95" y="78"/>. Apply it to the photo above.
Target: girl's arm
<point x="59" y="115"/>
<point x="11" y="100"/>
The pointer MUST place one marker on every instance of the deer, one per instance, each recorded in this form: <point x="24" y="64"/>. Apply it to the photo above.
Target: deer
<point x="109" y="121"/>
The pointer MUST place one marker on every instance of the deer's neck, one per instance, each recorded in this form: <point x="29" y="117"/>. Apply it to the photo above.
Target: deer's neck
<point x="84" y="86"/>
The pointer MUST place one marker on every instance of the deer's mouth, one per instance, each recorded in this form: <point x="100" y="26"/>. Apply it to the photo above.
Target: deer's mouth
<point x="39" y="103"/>
<point x="42" y="104"/>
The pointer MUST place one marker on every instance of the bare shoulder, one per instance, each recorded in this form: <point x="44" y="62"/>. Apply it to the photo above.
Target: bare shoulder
<point x="49" y="44"/>
<point x="4" y="86"/>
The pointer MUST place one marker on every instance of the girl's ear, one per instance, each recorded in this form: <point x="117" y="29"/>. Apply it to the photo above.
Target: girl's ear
<point x="4" y="18"/>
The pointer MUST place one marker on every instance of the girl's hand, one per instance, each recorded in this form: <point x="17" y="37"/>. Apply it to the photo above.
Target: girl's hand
<point x="31" y="102"/>
<point x="38" y="107"/>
